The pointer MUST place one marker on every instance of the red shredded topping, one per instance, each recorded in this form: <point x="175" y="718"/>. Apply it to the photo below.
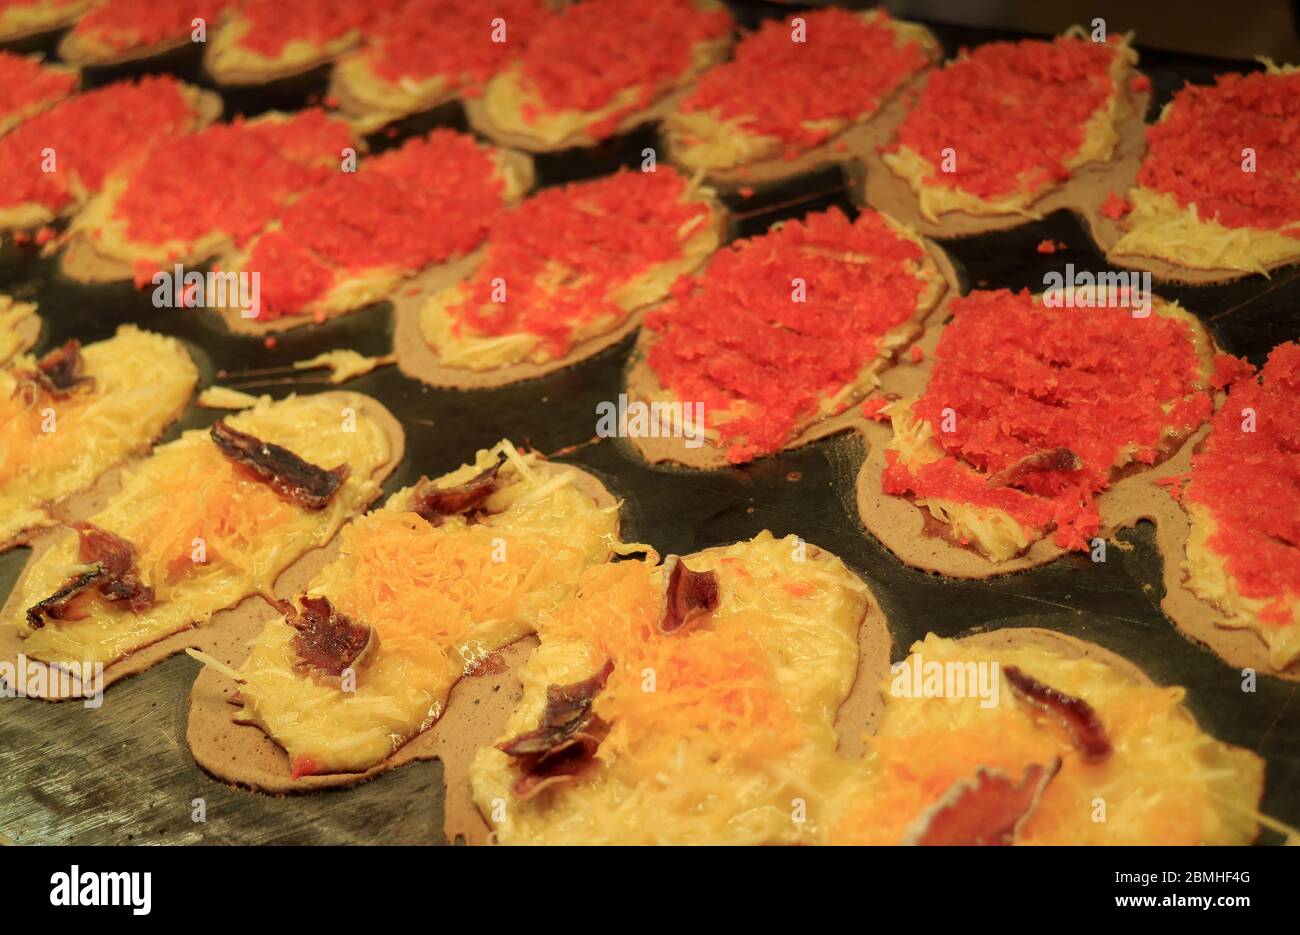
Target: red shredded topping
<point x="91" y="134"/>
<point x="581" y="59"/>
<point x="26" y="84"/>
<point x="736" y="337"/>
<point x="1023" y="379"/>
<point x="1195" y="153"/>
<point x="423" y="204"/>
<point x="422" y="39"/>
<point x="1250" y="481"/>
<point x="1115" y="207"/>
<point x="320" y="22"/>
<point x="1013" y="112"/>
<point x="127" y="24"/>
<point x="871" y="408"/>
<point x="1139" y="84"/>
<point x="565" y="249"/>
<point x="258" y="167"/>
<point x="304" y="766"/>
<point x="842" y="71"/>
<point x="1228" y="369"/>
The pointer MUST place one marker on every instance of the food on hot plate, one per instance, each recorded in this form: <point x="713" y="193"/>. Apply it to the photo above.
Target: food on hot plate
<point x="51" y="164"/>
<point x="688" y="702"/>
<point x="1242" y="495"/>
<point x="568" y="273"/>
<point x="422" y="593"/>
<point x="22" y="18"/>
<point x="114" y="31"/>
<point x="260" y="41"/>
<point x="1033" y="737"/>
<point x="782" y="332"/>
<point x="73" y="414"/>
<point x="422" y="53"/>
<point x="355" y="237"/>
<point x="836" y="69"/>
<point x="28" y="86"/>
<point x="1030" y="413"/>
<point x="599" y="68"/>
<point x="198" y="526"/>
<point x="1219" y="189"/>
<point x="150" y="215"/>
<point x="1006" y="123"/>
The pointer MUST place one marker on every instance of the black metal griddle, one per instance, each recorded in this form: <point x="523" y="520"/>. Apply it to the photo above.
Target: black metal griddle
<point x="122" y="773"/>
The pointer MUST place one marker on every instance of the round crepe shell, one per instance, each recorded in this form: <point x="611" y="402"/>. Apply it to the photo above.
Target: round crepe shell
<point x="385" y="283"/>
<point x="1084" y="192"/>
<point x="901" y="524"/>
<point x="841" y="148"/>
<point x="642" y="385"/>
<point x="416" y="359"/>
<point x="666" y="103"/>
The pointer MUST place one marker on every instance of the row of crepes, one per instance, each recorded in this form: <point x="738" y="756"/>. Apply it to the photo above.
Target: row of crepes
<point x="1214" y="195"/>
<point x="701" y="699"/>
<point x="798" y="333"/>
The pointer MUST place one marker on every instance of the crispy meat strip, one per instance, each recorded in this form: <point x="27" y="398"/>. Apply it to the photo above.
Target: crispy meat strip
<point x="58" y="373"/>
<point x="112" y="574"/>
<point x="1078" y="717"/>
<point x="328" y="642"/>
<point x="688" y="594"/>
<point x="434" y="503"/>
<point x="988" y="809"/>
<point x="562" y="748"/>
<point x="56" y="605"/>
<point x="289" y="475"/>
<point x="1056" y="459"/>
